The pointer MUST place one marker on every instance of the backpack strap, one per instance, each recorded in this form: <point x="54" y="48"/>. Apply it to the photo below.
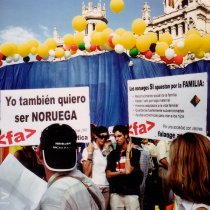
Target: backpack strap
<point x="94" y="196"/>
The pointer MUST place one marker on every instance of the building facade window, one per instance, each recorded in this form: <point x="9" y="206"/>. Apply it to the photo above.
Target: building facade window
<point x="176" y="27"/>
<point x="183" y="28"/>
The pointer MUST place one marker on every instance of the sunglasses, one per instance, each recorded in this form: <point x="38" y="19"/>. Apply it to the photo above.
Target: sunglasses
<point x="103" y="137"/>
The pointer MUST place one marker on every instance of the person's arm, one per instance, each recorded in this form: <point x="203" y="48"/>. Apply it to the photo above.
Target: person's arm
<point x="128" y="167"/>
<point x="87" y="167"/>
<point x="164" y="162"/>
<point x="111" y="167"/>
<point x="111" y="174"/>
<point x="162" y="150"/>
<point x="87" y="163"/>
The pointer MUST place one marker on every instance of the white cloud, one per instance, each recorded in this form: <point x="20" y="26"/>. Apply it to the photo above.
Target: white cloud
<point x="16" y="34"/>
<point x="45" y="31"/>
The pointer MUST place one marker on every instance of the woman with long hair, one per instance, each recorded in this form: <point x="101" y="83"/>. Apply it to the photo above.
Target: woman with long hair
<point x="189" y="171"/>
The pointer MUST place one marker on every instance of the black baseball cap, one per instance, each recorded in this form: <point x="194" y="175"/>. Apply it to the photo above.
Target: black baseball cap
<point x="58" y="144"/>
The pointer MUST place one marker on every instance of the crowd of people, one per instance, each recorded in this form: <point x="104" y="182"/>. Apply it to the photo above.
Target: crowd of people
<point x="117" y="172"/>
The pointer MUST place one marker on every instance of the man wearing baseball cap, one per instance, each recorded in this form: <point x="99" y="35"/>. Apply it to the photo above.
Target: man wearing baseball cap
<point x="68" y="188"/>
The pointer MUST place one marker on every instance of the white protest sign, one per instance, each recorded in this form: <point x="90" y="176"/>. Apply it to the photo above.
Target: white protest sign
<point x="163" y="107"/>
<point x="19" y="188"/>
<point x="25" y="113"/>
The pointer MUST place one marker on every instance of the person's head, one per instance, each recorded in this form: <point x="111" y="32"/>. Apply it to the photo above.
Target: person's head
<point x="58" y="146"/>
<point x="101" y="135"/>
<point x="120" y="134"/>
<point x="189" y="171"/>
<point x="28" y="148"/>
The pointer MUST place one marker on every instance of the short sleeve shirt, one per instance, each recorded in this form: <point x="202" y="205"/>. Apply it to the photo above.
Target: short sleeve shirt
<point x="68" y="193"/>
<point x="124" y="184"/>
<point x="99" y="166"/>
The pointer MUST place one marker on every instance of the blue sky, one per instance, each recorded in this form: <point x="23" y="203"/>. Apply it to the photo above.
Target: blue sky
<point x="21" y="20"/>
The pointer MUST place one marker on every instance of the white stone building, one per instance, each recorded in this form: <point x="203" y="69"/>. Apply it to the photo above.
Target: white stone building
<point x="179" y="17"/>
<point x="93" y="14"/>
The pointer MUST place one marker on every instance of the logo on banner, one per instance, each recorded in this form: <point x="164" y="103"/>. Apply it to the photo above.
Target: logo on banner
<point x="195" y="101"/>
<point x="137" y="128"/>
<point x="10" y="137"/>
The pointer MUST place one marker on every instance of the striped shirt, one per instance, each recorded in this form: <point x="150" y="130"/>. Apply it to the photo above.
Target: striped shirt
<point x="68" y="193"/>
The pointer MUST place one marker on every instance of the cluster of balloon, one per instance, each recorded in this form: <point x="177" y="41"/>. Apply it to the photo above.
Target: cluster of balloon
<point x="136" y="42"/>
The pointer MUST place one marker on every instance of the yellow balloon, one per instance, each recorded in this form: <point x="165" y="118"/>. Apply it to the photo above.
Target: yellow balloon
<point x="100" y="26"/>
<point x="68" y="39"/>
<point x="193" y="42"/>
<point x="138" y="26"/>
<point x="106" y="47"/>
<point x="79" y="23"/>
<point x="72" y="52"/>
<point x="183" y="51"/>
<point x="51" y="43"/>
<point x="78" y="37"/>
<point x="205" y="43"/>
<point x="199" y="54"/>
<point x="43" y="51"/>
<point x="166" y="37"/>
<point x="23" y="49"/>
<point x="92" y="35"/>
<point x="193" y="31"/>
<point x="15" y="49"/>
<point x="119" y="31"/>
<point x="142" y="43"/>
<point x="33" y="43"/>
<point x="161" y="48"/>
<point x="59" y="52"/>
<point x="128" y="40"/>
<point x="33" y="50"/>
<point x="152" y="36"/>
<point x="97" y="38"/>
<point x="116" y="39"/>
<point x="105" y="34"/>
<point x="6" y="49"/>
<point x="116" y="5"/>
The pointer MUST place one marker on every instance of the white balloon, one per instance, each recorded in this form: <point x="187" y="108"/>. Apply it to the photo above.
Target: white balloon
<point x="87" y="45"/>
<point x="52" y="53"/>
<point x="119" y="48"/>
<point x="67" y="54"/>
<point x="169" y="53"/>
<point x="180" y="44"/>
<point x="16" y="57"/>
<point x="9" y="59"/>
